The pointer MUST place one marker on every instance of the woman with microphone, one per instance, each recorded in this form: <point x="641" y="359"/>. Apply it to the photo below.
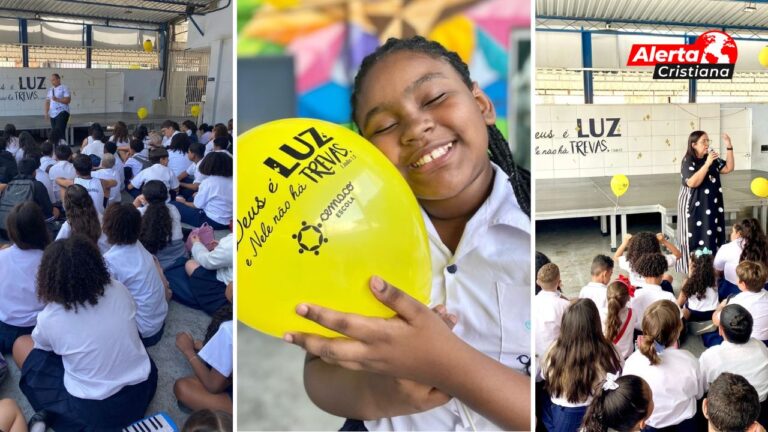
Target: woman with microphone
<point x="700" y="206"/>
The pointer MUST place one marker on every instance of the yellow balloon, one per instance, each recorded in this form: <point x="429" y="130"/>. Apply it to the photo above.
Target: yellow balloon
<point x="142" y="113"/>
<point x="195" y="110"/>
<point x="619" y="184"/>
<point x="148" y="45"/>
<point x="763" y="57"/>
<point x="456" y="34"/>
<point x="320" y="211"/>
<point x="759" y="187"/>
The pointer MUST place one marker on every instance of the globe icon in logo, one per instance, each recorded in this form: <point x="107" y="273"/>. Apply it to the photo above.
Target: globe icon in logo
<point x="310" y="238"/>
<point x="717" y="48"/>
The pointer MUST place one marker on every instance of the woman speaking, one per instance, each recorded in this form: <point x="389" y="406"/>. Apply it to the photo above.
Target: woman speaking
<point x="700" y="207"/>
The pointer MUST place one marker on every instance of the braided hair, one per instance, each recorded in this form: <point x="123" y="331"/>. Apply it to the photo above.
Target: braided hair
<point x="499" y="150"/>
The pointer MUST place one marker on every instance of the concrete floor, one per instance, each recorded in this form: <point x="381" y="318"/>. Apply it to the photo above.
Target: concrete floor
<point x="270" y="387"/>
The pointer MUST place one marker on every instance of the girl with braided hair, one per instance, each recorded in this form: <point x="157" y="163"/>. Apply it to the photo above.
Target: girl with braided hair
<point x="416" y="102"/>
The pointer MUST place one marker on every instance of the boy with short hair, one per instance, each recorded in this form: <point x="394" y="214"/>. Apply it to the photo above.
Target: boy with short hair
<point x="602" y="270"/>
<point x="753" y="297"/>
<point x="548" y="308"/>
<point x="731" y="405"/>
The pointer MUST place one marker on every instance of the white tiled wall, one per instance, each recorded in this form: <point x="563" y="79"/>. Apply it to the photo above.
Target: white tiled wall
<point x="87" y="88"/>
<point x="653" y="137"/>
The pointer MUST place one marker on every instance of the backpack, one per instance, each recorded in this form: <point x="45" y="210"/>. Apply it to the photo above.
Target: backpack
<point x="145" y="163"/>
<point x="17" y="192"/>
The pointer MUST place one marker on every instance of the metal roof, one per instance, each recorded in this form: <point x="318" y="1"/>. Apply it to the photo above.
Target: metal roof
<point x="693" y="13"/>
<point x="100" y="11"/>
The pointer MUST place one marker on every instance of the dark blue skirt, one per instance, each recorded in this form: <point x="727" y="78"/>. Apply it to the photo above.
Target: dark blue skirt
<point x="9" y="334"/>
<point x="558" y="418"/>
<point x="207" y="291"/>
<point x="42" y="382"/>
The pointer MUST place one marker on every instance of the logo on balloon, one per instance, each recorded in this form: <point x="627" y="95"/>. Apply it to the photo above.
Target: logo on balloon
<point x="310" y="238"/>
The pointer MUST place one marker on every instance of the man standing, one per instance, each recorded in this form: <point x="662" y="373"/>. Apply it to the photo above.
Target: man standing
<point x="57" y="104"/>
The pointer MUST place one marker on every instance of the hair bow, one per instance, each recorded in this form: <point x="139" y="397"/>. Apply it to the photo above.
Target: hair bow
<point x="659" y="347"/>
<point x="700" y="252"/>
<point x="610" y="382"/>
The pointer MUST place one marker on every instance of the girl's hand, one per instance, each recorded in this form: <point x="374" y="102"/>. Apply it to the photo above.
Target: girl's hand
<point x="140" y="201"/>
<point x="409" y="345"/>
<point x="194" y="238"/>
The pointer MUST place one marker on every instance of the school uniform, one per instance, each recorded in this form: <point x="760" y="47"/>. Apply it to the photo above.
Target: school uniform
<point x="726" y="260"/>
<point x="157" y="171"/>
<point x="208" y="282"/>
<point x="702" y="310"/>
<point x="114" y="191"/>
<point x="634" y="277"/>
<point x="45" y="163"/>
<point x="119" y="170"/>
<point x="95" y="190"/>
<point x="624" y="342"/>
<point x="19" y="305"/>
<point x="176" y="248"/>
<point x="61" y="169"/>
<point x="549" y="308"/>
<point x="95" y="148"/>
<point x="749" y="360"/>
<point x="596" y="292"/>
<point x="135" y="165"/>
<point x="12" y="146"/>
<point x="644" y="297"/>
<point x="213" y="204"/>
<point x="218" y="352"/>
<point x="167" y="140"/>
<point x="88" y="367"/>
<point x="193" y="170"/>
<point x="486" y="283"/>
<point x="43" y="178"/>
<point x="676" y="382"/>
<point x="135" y="268"/>
<point x="178" y="162"/>
<point x="66" y="230"/>
<point x="757" y="305"/>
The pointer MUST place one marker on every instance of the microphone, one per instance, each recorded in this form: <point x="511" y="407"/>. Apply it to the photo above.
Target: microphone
<point x="719" y="162"/>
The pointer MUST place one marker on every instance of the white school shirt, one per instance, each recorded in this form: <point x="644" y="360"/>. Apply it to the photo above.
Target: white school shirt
<point x="94" y="147"/>
<point x="215" y="198"/>
<point x="549" y="308"/>
<point x="135" y="166"/>
<point x="63" y="169"/>
<point x="757" y="305"/>
<point x="208" y="147"/>
<point x="157" y="171"/>
<point x="167" y="140"/>
<point x="12" y="145"/>
<point x="647" y="294"/>
<point x="728" y="257"/>
<point x="19" y="305"/>
<point x="176" y="233"/>
<point x="56" y="108"/>
<point x="676" y="383"/>
<point x="749" y="360"/>
<point x="489" y="293"/>
<point x="99" y="345"/>
<point x="43" y="178"/>
<point x="45" y="162"/>
<point x="626" y="344"/>
<point x="634" y="278"/>
<point x="135" y="268"/>
<point x="220" y="259"/>
<point x="66" y="230"/>
<point x="707" y="303"/>
<point x="119" y="172"/>
<point x="109" y="174"/>
<point x="95" y="190"/>
<point x="178" y="162"/>
<point x="596" y="292"/>
<point x="218" y="351"/>
<point x="194" y="171"/>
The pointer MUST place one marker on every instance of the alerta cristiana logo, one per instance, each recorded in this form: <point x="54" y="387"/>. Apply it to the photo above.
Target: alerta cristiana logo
<point x="711" y="56"/>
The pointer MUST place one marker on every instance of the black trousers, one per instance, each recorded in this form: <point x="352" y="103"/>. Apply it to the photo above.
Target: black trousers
<point x="60" y="122"/>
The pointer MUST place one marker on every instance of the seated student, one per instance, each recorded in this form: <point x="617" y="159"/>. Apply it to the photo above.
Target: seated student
<point x="602" y="269"/>
<point x="8" y="168"/>
<point x="178" y="161"/>
<point x="84" y="363"/>
<point x="209" y="273"/>
<point x="673" y="374"/>
<point x="119" y="167"/>
<point x="651" y="267"/>
<point x="205" y="131"/>
<point x="621" y="404"/>
<point x="221" y="144"/>
<point x="748" y="243"/>
<point x="169" y="128"/>
<point x="19" y="304"/>
<point x="753" y="297"/>
<point x="161" y="231"/>
<point x="108" y="171"/>
<point x="27" y="169"/>
<point x="63" y="168"/>
<point x="28" y="145"/>
<point x="698" y="296"/>
<point x="206" y="420"/>
<point x="158" y="171"/>
<point x="97" y="188"/>
<point x="120" y="135"/>
<point x="82" y="218"/>
<point x="619" y="320"/>
<point x="195" y="155"/>
<point x="549" y="307"/>
<point x="189" y="129"/>
<point x="142" y="134"/>
<point x="89" y="139"/>
<point x="644" y="243"/>
<point x="213" y="203"/>
<point x="131" y="264"/>
<point x="136" y="161"/>
<point x="211" y="385"/>
<point x="739" y="353"/>
<point x="731" y="405"/>
<point x="219" y="131"/>
<point x="41" y="172"/>
<point x="154" y="140"/>
<point x="95" y="148"/>
<point x="46" y="148"/>
<point x="12" y="138"/>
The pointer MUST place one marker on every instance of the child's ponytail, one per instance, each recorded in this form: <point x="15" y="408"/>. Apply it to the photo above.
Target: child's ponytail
<point x="619" y="404"/>
<point x="661" y="327"/>
<point x="617" y="297"/>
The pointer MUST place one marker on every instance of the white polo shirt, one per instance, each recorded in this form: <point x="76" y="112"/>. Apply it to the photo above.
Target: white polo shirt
<point x="176" y="233"/>
<point x="66" y="230"/>
<point x="167" y="140"/>
<point x="45" y="162"/>
<point x="634" y="278"/>
<point x="19" y="305"/>
<point x="749" y="360"/>
<point x="43" y="178"/>
<point x="215" y="198"/>
<point x="135" y="268"/>
<point x="548" y="310"/>
<point x="646" y="295"/>
<point x="109" y="174"/>
<point x="489" y="293"/>
<point x="61" y="169"/>
<point x="220" y="259"/>
<point x="99" y="345"/>
<point x="728" y="257"/>
<point x="178" y="162"/>
<point x="757" y="305"/>
<point x="626" y="344"/>
<point x="676" y="383"/>
<point x="94" y="147"/>
<point x="218" y="351"/>
<point x="596" y="292"/>
<point x="707" y="303"/>
<point x="95" y="190"/>
<point x="56" y="108"/>
<point x="156" y="172"/>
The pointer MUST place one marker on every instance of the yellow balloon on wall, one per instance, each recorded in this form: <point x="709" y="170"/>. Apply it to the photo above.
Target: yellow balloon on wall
<point x="759" y="187"/>
<point x="619" y="184"/>
<point x="320" y="211"/>
<point x="142" y="113"/>
<point x="195" y="110"/>
<point x="763" y="57"/>
<point x="148" y="45"/>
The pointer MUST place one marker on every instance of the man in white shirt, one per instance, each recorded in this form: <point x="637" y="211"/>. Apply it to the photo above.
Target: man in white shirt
<point x="596" y="290"/>
<point x="57" y="104"/>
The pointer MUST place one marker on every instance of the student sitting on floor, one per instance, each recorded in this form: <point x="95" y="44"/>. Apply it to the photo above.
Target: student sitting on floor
<point x="601" y="271"/>
<point x="753" y="297"/>
<point x="39" y="193"/>
<point x="195" y="155"/>
<point x="211" y="385"/>
<point x="619" y="319"/>
<point x="644" y="243"/>
<point x="63" y="168"/>
<point x="621" y="404"/>
<point x="28" y="145"/>
<point x="19" y="304"/>
<point x="219" y="131"/>
<point x="84" y="362"/>
<point x="97" y="188"/>
<point x="213" y="202"/>
<point x="136" y="161"/>
<point x="107" y="171"/>
<point x="209" y="273"/>
<point x="120" y="135"/>
<point x="119" y="167"/>
<point x="158" y="171"/>
<point x="95" y="148"/>
<point x="12" y="138"/>
<point x="8" y="168"/>
<point x="698" y="296"/>
<point x="161" y="231"/>
<point x="651" y="268"/>
<point x="548" y="308"/>
<point x="178" y="161"/>
<point x="748" y="243"/>
<point x="42" y="176"/>
<point x="82" y="218"/>
<point x="131" y="264"/>
<point x="46" y="148"/>
<point x="732" y="405"/>
<point x="188" y="128"/>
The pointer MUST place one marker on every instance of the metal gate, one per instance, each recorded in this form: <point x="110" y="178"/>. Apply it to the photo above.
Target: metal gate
<point x="187" y="81"/>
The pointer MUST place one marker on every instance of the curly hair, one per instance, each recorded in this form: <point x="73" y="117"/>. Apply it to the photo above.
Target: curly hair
<point x="619" y="409"/>
<point x="651" y="265"/>
<point x="72" y="273"/>
<point x="499" y="149"/>
<point x="122" y="223"/>
<point x="661" y="324"/>
<point x="156" y="226"/>
<point x="216" y="164"/>
<point x="702" y="276"/>
<point x="581" y="355"/>
<point x="755" y="246"/>
<point x="642" y="243"/>
<point x="81" y="213"/>
<point x="617" y="296"/>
